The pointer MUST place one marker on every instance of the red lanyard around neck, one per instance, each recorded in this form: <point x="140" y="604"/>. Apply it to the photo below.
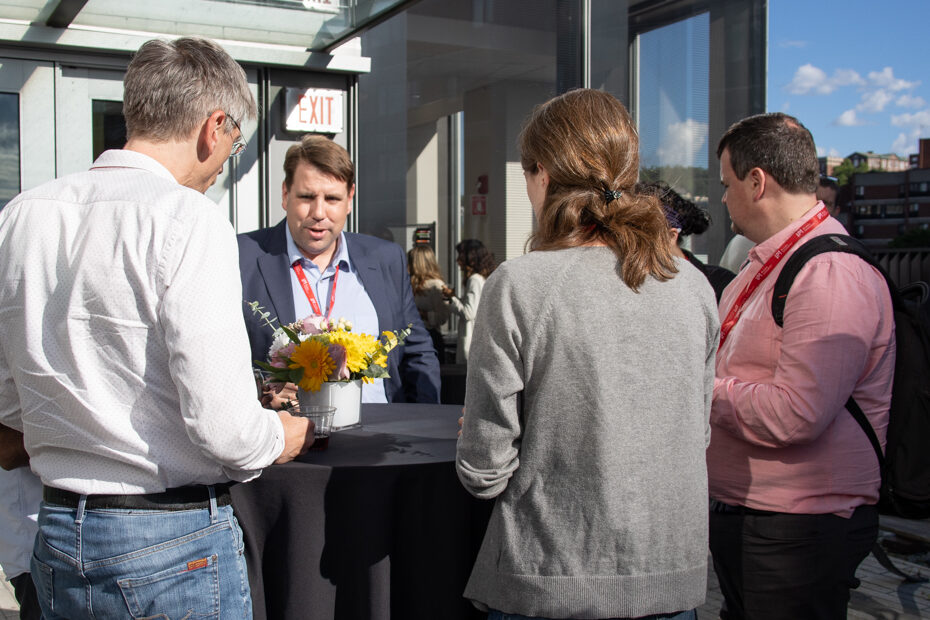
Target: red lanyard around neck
<point x="304" y="284"/>
<point x="737" y="309"/>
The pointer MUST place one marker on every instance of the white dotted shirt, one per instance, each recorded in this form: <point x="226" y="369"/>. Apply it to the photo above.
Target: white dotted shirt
<point x="123" y="353"/>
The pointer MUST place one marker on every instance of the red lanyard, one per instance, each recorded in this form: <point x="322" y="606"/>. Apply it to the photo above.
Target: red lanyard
<point x="302" y="278"/>
<point x="737" y="309"/>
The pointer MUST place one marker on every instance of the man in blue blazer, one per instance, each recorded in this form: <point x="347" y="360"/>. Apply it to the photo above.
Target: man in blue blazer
<point x="307" y="264"/>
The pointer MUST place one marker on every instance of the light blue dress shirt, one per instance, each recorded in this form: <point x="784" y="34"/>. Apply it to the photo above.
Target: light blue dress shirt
<point x="352" y="302"/>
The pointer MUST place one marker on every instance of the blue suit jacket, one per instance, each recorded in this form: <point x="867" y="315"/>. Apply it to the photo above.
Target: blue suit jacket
<point x="382" y="269"/>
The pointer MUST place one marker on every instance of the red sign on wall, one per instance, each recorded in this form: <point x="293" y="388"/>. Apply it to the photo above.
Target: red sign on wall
<point x="314" y="109"/>
<point x="479" y="205"/>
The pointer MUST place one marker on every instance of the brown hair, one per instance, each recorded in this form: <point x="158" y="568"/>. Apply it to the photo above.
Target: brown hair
<point x="586" y="141"/>
<point x="476" y="257"/>
<point x="422" y="265"/>
<point x="778" y="144"/>
<point x="321" y="153"/>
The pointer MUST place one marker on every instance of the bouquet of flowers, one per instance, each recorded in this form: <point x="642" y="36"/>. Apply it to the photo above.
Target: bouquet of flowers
<point x="316" y="349"/>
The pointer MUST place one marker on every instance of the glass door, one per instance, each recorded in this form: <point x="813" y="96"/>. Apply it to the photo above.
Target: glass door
<point x="27" y="139"/>
<point x="88" y="115"/>
<point x="89" y="120"/>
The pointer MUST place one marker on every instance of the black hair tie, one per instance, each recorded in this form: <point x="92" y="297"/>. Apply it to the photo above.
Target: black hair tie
<point x="611" y="195"/>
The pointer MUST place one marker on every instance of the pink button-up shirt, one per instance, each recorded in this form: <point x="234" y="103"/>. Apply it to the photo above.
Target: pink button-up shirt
<point x="781" y="438"/>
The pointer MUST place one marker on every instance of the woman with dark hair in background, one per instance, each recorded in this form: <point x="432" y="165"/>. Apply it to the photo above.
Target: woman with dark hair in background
<point x="476" y="263"/>
<point x="589" y="387"/>
<point x="686" y="218"/>
<point x="427" y="284"/>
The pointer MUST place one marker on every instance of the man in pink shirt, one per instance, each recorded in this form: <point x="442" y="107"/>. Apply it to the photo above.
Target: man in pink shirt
<point x="793" y="479"/>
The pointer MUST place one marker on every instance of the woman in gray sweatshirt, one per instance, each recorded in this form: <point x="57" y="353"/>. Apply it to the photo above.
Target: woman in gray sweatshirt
<point x="589" y="388"/>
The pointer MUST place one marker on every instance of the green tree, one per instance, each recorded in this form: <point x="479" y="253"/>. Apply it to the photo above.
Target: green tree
<point x="845" y="170"/>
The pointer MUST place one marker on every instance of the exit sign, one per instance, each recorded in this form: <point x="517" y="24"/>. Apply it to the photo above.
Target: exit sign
<point x="316" y="110"/>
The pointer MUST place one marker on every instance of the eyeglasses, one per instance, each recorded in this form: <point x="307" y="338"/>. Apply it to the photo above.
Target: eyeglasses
<point x="239" y="144"/>
<point x="822" y="176"/>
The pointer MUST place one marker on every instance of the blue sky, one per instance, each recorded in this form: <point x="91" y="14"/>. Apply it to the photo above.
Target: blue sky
<point x="855" y="73"/>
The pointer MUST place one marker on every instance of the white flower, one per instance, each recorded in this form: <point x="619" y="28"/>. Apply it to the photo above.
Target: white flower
<point x="279" y="341"/>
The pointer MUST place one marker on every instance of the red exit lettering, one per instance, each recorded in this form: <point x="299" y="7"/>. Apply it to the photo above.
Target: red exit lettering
<point x="315" y="110"/>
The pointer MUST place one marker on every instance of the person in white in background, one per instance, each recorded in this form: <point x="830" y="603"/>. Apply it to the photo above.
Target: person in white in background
<point x="476" y="263"/>
<point x="736" y="252"/>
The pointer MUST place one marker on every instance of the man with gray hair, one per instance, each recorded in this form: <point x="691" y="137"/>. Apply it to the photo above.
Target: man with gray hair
<point x="124" y="358"/>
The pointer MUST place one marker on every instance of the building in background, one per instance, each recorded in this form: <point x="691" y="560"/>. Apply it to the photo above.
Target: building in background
<point x="889" y="162"/>
<point x="886" y="205"/>
<point x="62" y="64"/>
<point x="921" y="159"/>
<point x="828" y="164"/>
<point x="428" y="96"/>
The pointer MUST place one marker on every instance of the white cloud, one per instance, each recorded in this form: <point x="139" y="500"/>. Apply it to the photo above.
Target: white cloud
<point x="847" y="77"/>
<point x="874" y="101"/>
<point x="682" y="143"/>
<point x="910" y="101"/>
<point x="886" y="79"/>
<point x="905" y="144"/>
<point x="848" y="119"/>
<point x="821" y="152"/>
<point x="785" y="107"/>
<point x="789" y="43"/>
<point x="917" y="120"/>
<point x="810" y="79"/>
<point x="916" y="125"/>
<point x="834" y="152"/>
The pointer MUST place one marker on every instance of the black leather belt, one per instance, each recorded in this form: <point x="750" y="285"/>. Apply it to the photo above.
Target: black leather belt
<point x="180" y="498"/>
<point x="729" y="509"/>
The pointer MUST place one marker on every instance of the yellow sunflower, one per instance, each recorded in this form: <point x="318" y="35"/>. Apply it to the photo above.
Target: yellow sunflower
<point x="313" y="357"/>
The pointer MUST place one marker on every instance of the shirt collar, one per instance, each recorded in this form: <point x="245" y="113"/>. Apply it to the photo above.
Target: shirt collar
<point x="341" y="257"/>
<point x="763" y="251"/>
<point x="123" y="158"/>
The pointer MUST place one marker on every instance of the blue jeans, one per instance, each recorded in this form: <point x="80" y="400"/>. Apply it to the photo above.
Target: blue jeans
<point x="110" y="563"/>
<point x="682" y="615"/>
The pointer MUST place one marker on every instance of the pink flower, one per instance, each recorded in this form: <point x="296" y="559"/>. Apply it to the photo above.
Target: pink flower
<point x="279" y="357"/>
<point x="313" y="324"/>
<point x="338" y="354"/>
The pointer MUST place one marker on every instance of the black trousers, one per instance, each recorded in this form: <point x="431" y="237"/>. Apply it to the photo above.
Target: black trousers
<point x="25" y="592"/>
<point x="782" y="566"/>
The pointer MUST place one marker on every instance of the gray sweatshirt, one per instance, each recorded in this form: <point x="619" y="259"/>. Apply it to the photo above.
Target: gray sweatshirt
<point x="586" y="415"/>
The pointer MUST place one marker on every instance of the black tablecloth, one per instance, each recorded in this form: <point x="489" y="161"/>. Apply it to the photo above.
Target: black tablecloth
<point x="376" y="526"/>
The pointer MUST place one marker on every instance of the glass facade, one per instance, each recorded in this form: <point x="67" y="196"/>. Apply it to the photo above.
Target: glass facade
<point x="451" y="84"/>
<point x="439" y="115"/>
<point x="313" y="24"/>
<point x="433" y="95"/>
<point x="672" y="106"/>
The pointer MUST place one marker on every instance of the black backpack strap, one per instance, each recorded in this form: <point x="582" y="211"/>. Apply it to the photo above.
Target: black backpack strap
<point x="819" y="245"/>
<point x="885" y="561"/>
<point x="793" y="266"/>
<point x="853" y="407"/>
